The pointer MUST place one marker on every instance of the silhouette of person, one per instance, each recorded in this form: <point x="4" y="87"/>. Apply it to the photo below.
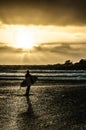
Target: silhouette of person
<point x="29" y="81"/>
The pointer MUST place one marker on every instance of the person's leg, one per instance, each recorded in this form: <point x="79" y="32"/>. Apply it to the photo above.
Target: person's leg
<point x="27" y="90"/>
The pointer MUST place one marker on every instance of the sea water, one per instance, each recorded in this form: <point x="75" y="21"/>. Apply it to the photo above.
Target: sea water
<point x="52" y="76"/>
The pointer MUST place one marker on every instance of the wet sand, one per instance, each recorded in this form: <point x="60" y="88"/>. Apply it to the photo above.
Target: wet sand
<point x="51" y="107"/>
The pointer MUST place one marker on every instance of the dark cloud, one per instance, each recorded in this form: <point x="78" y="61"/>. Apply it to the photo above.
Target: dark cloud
<point x="46" y="12"/>
<point x="77" y="49"/>
<point x="8" y="49"/>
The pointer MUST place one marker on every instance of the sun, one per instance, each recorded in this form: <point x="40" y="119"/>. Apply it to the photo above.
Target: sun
<point x="24" y="39"/>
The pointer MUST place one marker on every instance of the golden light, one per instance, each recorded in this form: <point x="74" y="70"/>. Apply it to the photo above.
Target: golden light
<point x="24" y="39"/>
<point x="28" y="36"/>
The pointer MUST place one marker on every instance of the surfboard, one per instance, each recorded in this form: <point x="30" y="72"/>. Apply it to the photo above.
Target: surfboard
<point x="24" y="83"/>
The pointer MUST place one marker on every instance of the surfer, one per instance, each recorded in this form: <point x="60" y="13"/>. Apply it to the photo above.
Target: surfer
<point x="29" y="81"/>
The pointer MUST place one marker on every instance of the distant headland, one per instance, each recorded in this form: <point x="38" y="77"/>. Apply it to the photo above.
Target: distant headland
<point x="68" y="65"/>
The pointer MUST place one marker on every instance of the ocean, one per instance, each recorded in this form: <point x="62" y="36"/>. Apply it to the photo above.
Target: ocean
<point x="44" y="76"/>
<point x="57" y="100"/>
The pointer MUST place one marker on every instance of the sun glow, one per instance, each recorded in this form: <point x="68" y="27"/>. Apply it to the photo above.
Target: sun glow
<point x="24" y="39"/>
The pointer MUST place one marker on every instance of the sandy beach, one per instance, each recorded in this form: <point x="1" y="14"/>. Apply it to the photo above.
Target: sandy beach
<point x="51" y="107"/>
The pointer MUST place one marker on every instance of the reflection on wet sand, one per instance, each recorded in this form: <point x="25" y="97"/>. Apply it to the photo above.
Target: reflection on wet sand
<point x="27" y="119"/>
<point x="30" y="111"/>
<point x="51" y="108"/>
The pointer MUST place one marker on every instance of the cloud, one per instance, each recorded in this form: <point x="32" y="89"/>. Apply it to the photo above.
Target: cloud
<point x="54" y="48"/>
<point x="60" y="52"/>
<point x="45" y="12"/>
<point x="70" y="49"/>
<point x="45" y="53"/>
<point x="8" y="49"/>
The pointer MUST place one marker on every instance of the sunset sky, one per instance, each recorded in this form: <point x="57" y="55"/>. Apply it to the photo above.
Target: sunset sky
<point x="42" y="31"/>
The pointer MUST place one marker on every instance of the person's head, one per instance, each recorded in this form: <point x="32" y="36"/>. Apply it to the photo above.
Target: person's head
<point x="27" y="71"/>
